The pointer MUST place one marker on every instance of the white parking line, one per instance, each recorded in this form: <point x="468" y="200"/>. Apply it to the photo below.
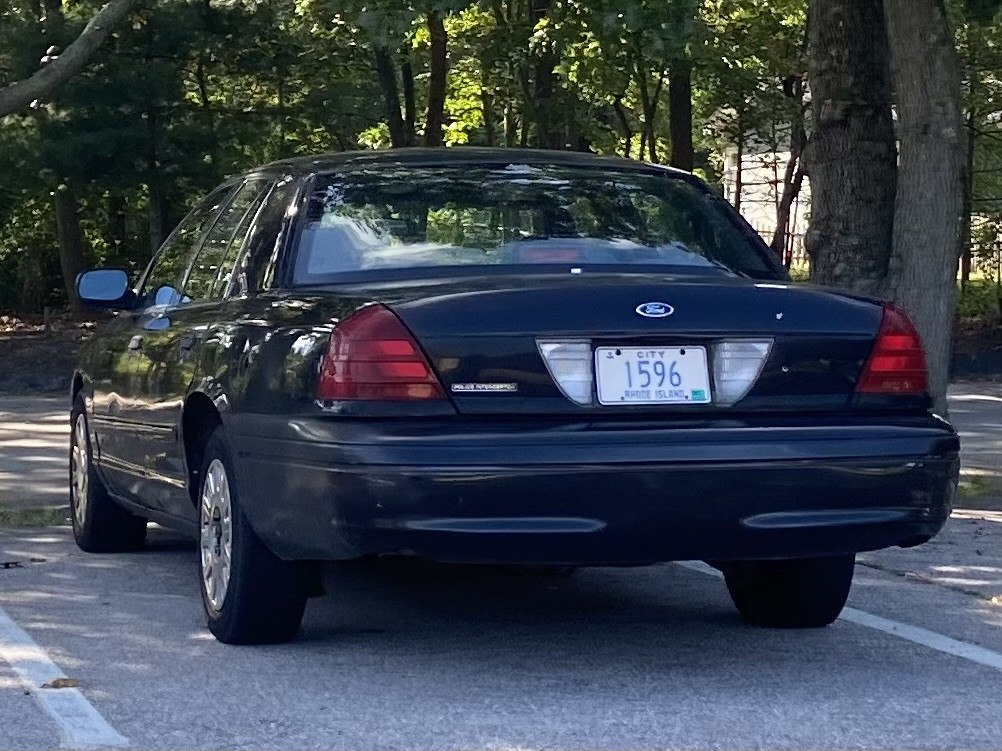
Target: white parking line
<point x="914" y="634"/>
<point x="80" y="724"/>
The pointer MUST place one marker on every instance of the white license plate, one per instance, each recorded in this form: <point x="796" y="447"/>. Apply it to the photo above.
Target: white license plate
<point x="652" y="375"/>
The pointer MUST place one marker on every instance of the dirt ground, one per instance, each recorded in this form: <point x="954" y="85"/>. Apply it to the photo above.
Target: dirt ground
<point x="35" y="357"/>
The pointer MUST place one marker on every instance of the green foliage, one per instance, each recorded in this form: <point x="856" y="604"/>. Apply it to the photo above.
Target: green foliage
<point x="979" y="40"/>
<point x="749" y="48"/>
<point x="980" y="299"/>
<point x="982" y="11"/>
<point x="189" y="91"/>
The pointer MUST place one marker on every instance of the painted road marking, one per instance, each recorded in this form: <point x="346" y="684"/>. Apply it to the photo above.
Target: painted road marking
<point x="914" y="634"/>
<point x="80" y="724"/>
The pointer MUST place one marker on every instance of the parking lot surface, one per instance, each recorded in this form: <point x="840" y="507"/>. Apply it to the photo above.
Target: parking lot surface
<point x="411" y="655"/>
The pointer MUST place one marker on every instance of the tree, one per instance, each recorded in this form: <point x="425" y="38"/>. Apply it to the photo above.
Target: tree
<point x="438" y="70"/>
<point x="851" y="153"/>
<point x="979" y="46"/>
<point x="923" y="270"/>
<point x="880" y="224"/>
<point x="43" y="82"/>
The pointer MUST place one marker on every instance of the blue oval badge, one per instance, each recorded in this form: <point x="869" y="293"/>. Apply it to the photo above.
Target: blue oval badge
<point x="655" y="310"/>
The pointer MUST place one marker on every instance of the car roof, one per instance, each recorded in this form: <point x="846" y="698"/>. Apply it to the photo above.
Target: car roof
<point x="458" y="155"/>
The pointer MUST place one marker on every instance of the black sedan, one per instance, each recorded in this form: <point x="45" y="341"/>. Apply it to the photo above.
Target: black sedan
<point x="530" y="358"/>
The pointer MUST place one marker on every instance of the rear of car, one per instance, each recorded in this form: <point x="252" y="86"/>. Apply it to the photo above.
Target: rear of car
<point x="495" y="356"/>
<point x="546" y="362"/>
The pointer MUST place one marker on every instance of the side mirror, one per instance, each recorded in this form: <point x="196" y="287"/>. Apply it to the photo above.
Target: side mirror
<point x="167" y="295"/>
<point x="105" y="288"/>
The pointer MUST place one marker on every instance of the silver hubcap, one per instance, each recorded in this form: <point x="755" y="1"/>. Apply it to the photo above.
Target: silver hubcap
<point x="79" y="470"/>
<point x="217" y="533"/>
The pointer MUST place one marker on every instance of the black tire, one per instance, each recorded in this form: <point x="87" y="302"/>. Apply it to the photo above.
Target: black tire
<point x="800" y="593"/>
<point x="100" y="525"/>
<point x="265" y="596"/>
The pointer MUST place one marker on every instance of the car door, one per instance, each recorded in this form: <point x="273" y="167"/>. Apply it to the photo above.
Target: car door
<point x="110" y="360"/>
<point x="159" y="290"/>
<point x="172" y="342"/>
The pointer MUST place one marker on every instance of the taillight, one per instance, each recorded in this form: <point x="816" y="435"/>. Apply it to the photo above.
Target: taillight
<point x="372" y="355"/>
<point x="897" y="362"/>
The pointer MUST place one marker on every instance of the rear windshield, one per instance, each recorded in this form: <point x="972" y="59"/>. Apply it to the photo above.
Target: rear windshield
<point x="378" y="222"/>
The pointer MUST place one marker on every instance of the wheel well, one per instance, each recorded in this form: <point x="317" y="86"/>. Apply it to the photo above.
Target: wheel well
<point x="198" y="419"/>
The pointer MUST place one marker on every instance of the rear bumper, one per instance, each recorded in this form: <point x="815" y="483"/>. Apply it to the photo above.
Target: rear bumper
<point x="593" y="494"/>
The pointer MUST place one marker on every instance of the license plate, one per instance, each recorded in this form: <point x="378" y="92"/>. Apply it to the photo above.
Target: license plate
<point x="652" y="375"/>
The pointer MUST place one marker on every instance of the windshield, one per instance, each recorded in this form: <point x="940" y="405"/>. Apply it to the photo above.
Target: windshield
<point x="366" y="223"/>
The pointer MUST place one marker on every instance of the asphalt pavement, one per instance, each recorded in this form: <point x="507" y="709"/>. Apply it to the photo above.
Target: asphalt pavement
<point x="34" y="453"/>
<point x="411" y="655"/>
<point x="404" y="654"/>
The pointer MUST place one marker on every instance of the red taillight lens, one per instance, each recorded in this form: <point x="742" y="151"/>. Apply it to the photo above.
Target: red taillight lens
<point x="897" y="363"/>
<point x="372" y="355"/>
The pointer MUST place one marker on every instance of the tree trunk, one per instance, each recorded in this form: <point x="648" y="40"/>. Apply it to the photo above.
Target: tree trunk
<point x="206" y="105"/>
<point x="972" y="74"/>
<point x="793" y="175"/>
<point x="510" y="125"/>
<point x="52" y="11"/>
<point x="280" y="90"/>
<point x="793" y="182"/>
<point x="680" y="117"/>
<point x="40" y="84"/>
<point x="202" y="80"/>
<point x="157" y="211"/>
<point x="339" y="139"/>
<point x="487" y="107"/>
<point x="851" y="156"/>
<point x="386" y="72"/>
<point x="649" y="108"/>
<point x="410" y="108"/>
<point x="116" y="228"/>
<point x="781" y="237"/>
<point x="438" y="70"/>
<point x="71" y="243"/>
<point x="624" y="123"/>
<point x="739" y="168"/>
<point x="967" y="207"/>
<point x="923" y="270"/>
<point x="32" y="297"/>
<point x="543" y="84"/>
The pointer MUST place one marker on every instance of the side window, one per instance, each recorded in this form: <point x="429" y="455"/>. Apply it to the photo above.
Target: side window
<point x="254" y="266"/>
<point x="164" y="279"/>
<point x="211" y="268"/>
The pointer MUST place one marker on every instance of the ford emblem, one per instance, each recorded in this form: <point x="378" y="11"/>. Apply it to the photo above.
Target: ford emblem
<point x="655" y="310"/>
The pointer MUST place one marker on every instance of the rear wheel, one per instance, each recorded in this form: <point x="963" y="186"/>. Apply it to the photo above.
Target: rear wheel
<point x="99" y="524"/>
<point x="799" y="593"/>
<point x="250" y="595"/>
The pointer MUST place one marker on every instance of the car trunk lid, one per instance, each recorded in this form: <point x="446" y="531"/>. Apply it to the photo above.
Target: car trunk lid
<point x="485" y="337"/>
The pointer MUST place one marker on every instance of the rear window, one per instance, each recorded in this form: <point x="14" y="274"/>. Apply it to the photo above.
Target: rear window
<point x="372" y="223"/>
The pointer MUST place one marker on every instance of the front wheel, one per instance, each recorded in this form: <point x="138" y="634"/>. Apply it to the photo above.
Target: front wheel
<point x="798" y="593"/>
<point x="250" y="595"/>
